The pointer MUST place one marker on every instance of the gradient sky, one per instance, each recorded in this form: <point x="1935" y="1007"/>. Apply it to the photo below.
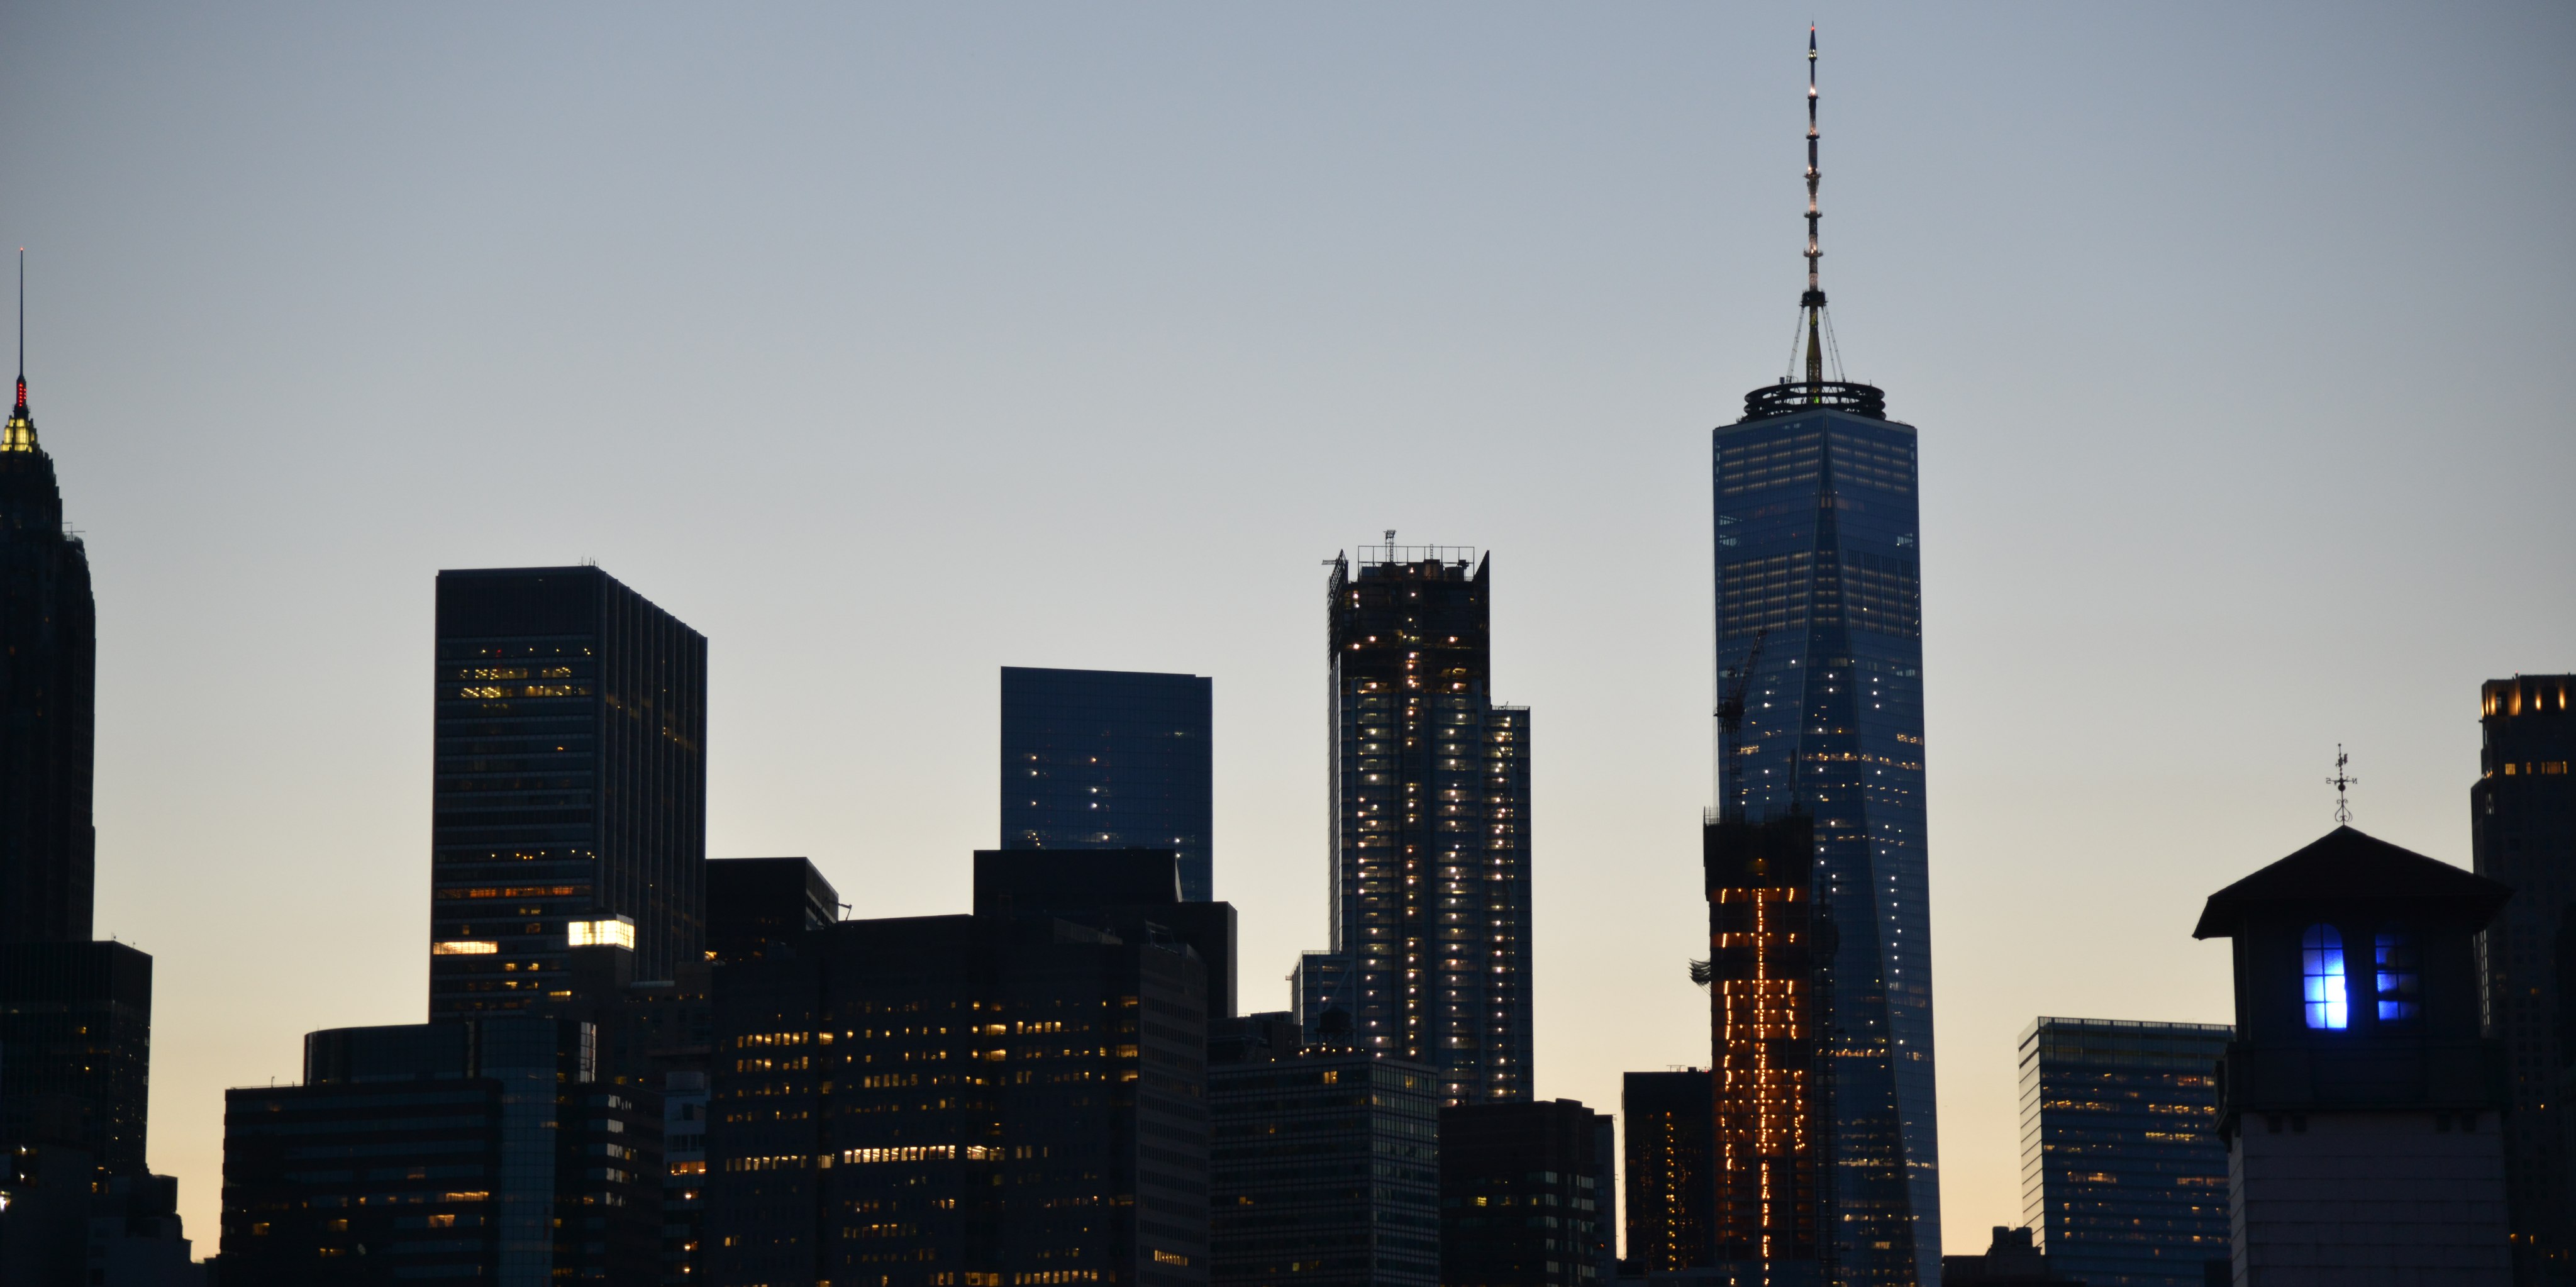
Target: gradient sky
<point x="888" y="346"/>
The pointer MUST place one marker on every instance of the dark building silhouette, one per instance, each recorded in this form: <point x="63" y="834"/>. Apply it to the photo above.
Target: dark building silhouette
<point x="1325" y="1167"/>
<point x="76" y="1200"/>
<point x="75" y="1049"/>
<point x="1820" y="661"/>
<point x="1670" y="1171"/>
<point x="1430" y="785"/>
<point x="1523" y="1198"/>
<point x="1110" y="759"/>
<point x="2522" y="817"/>
<point x="2359" y="1100"/>
<point x="1129" y="892"/>
<point x="2013" y="1259"/>
<point x="1770" y="1215"/>
<point x="66" y="1223"/>
<point x="946" y="1101"/>
<point x="48" y="683"/>
<point x="570" y="802"/>
<point x="755" y="902"/>
<point x="487" y="1148"/>
<point x="2124" y="1176"/>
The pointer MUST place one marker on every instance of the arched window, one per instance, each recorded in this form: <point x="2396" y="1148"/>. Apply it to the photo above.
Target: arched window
<point x="2321" y="960"/>
<point x="2401" y="977"/>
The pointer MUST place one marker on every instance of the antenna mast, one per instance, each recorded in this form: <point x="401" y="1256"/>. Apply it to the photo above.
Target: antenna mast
<point x="1813" y="302"/>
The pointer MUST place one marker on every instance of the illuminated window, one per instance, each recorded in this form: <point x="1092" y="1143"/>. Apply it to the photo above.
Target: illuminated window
<point x="465" y="947"/>
<point x="2321" y="958"/>
<point x="619" y="932"/>
<point x="2401" y="978"/>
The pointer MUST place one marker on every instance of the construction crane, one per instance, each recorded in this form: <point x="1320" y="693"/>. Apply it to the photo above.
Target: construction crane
<point x="1730" y="721"/>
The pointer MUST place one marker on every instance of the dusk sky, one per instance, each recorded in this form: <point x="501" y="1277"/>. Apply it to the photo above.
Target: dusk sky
<point x="888" y="346"/>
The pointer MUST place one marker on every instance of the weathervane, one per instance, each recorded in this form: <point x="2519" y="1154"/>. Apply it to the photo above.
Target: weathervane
<point x="2341" y="779"/>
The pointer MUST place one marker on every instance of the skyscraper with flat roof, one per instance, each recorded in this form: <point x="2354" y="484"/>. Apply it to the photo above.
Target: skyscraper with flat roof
<point x="1668" y="1170"/>
<point x="2123" y="1172"/>
<point x="1431" y="828"/>
<point x="2522" y="828"/>
<point x="571" y="784"/>
<point x="1820" y="663"/>
<point x="1110" y="759"/>
<point x="1324" y="1169"/>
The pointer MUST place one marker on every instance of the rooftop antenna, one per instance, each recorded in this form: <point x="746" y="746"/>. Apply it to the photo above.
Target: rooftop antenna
<point x="2342" y="779"/>
<point x="20" y="434"/>
<point x="1390" y="545"/>
<point x="22" y="330"/>
<point x="1816" y="327"/>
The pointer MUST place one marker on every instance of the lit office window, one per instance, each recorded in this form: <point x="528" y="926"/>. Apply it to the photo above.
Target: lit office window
<point x="611" y="933"/>
<point x="2321" y="955"/>
<point x="2401" y="978"/>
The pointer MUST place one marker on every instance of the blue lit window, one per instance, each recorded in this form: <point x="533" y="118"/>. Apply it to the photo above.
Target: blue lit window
<point x="2321" y="957"/>
<point x="2401" y="978"/>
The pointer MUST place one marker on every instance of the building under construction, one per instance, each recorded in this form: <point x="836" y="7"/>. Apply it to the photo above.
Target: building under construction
<point x="1769" y="1083"/>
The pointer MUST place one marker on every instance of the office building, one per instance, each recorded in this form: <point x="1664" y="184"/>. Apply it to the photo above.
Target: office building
<point x="1430" y="803"/>
<point x="2123" y="1173"/>
<point x="570" y="802"/>
<point x="1523" y="1201"/>
<point x="948" y="1101"/>
<point x="484" y="1148"/>
<point x="1820" y="662"/>
<point x="1129" y="892"/>
<point x="2522" y="827"/>
<point x="1669" y="1170"/>
<point x="76" y="1199"/>
<point x="49" y="624"/>
<point x="1110" y="759"/>
<point x="1325" y="1170"/>
<point x="684" y="1170"/>
<point x="1771" y="1216"/>
<point x="755" y="902"/>
<point x="2359" y="1101"/>
<point x="75" y="1049"/>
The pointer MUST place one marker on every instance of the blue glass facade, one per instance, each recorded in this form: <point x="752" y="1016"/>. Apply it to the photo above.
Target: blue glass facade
<point x="2124" y="1175"/>
<point x="1110" y="759"/>
<point x="1819" y="630"/>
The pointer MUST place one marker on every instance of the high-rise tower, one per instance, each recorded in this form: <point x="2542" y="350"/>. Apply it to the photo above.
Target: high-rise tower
<point x="48" y="683"/>
<point x="1430" y="851"/>
<point x="1820" y="678"/>
<point x="2522" y="818"/>
<point x="571" y="794"/>
<point x="75" y="1015"/>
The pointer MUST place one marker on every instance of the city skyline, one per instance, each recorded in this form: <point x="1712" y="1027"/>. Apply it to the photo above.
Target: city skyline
<point x="2181" y="546"/>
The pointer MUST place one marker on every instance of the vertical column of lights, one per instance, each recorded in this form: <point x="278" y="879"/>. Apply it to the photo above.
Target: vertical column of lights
<point x="1497" y="794"/>
<point x="1765" y="1093"/>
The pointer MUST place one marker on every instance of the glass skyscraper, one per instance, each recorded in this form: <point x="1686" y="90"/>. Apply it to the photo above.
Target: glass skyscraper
<point x="1820" y="712"/>
<point x="2124" y="1175"/>
<point x="1110" y="759"/>
<point x="1430" y="850"/>
<point x="2522" y="817"/>
<point x="570" y="805"/>
<point x="1820" y="644"/>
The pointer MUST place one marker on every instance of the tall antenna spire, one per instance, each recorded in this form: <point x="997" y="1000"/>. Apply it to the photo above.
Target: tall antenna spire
<point x="22" y="330"/>
<point x="1813" y="302"/>
<point x="20" y="433"/>
<point x="1815" y="379"/>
